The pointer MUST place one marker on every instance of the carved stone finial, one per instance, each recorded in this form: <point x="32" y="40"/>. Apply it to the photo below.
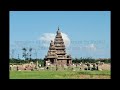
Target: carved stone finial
<point x="51" y="43"/>
<point x="58" y="31"/>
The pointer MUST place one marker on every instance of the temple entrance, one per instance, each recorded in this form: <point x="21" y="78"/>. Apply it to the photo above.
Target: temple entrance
<point x="52" y="61"/>
<point x="67" y="62"/>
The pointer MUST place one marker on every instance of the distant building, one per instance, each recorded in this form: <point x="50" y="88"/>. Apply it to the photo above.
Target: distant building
<point x="57" y="54"/>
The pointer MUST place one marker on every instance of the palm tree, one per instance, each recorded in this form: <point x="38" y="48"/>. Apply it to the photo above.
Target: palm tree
<point x="12" y="54"/>
<point x="24" y="52"/>
<point x="30" y="50"/>
<point x="18" y="57"/>
<point x="35" y="54"/>
<point x="27" y="56"/>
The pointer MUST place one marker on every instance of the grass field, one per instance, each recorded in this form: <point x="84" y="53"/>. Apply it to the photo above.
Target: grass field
<point x="59" y="74"/>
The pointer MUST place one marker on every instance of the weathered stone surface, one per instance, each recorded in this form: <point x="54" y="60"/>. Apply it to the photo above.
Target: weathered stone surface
<point x="57" y="54"/>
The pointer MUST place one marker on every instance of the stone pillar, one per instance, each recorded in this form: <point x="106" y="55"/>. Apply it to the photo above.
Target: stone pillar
<point x="37" y="64"/>
<point x="69" y="62"/>
<point x="48" y="62"/>
<point x="56" y="61"/>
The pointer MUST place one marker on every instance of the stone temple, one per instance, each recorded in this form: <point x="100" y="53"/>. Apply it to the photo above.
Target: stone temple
<point x="57" y="54"/>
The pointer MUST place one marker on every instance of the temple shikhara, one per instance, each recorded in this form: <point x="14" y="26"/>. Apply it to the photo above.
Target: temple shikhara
<point x="57" y="52"/>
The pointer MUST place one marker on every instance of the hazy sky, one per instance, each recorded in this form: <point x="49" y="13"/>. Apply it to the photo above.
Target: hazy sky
<point x="86" y="33"/>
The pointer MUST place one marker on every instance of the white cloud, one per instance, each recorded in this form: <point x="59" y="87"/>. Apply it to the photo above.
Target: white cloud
<point x="47" y="37"/>
<point x="91" y="47"/>
<point x="66" y="39"/>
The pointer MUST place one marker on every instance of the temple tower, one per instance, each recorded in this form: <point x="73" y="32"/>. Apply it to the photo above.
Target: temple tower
<point x="57" y="53"/>
<point x="51" y="56"/>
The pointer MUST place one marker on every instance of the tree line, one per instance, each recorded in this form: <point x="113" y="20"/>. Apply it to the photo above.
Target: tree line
<point x="20" y="61"/>
<point x="91" y="60"/>
<point x="74" y="60"/>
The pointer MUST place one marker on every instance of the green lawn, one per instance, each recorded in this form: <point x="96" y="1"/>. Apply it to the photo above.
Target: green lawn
<point x="59" y="74"/>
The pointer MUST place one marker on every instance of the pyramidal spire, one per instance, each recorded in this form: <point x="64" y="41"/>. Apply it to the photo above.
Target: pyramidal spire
<point x="58" y="27"/>
<point x="58" y="31"/>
